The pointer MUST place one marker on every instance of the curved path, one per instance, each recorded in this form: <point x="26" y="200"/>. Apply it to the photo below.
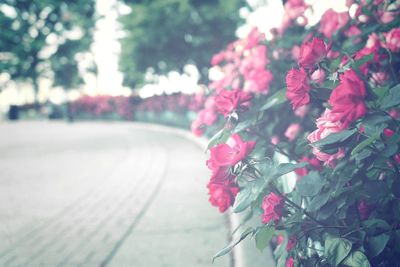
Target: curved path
<point x="104" y="194"/>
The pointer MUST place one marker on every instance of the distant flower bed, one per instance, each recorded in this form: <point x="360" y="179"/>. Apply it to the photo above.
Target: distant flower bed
<point x="326" y="100"/>
<point x="177" y="109"/>
<point x="103" y="106"/>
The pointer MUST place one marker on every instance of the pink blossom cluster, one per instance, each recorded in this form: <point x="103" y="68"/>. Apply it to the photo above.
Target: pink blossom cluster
<point x="177" y="103"/>
<point x="103" y="104"/>
<point x="222" y="187"/>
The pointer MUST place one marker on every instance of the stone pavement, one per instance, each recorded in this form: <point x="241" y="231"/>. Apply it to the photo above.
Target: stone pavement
<point x="104" y="194"/>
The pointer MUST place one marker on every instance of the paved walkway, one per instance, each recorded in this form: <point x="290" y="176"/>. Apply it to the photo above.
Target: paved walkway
<point x="104" y="194"/>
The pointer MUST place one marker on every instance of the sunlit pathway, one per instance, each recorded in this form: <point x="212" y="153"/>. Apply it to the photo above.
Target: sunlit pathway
<point x="104" y="194"/>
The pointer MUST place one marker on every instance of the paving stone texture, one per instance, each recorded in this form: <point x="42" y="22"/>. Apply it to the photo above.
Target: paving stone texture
<point x="104" y="194"/>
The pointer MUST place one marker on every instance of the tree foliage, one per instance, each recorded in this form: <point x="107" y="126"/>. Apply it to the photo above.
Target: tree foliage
<point x="42" y="39"/>
<point x="166" y="35"/>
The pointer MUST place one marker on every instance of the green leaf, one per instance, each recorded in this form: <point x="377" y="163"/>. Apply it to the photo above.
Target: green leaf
<point x="335" y="138"/>
<point x="336" y="249"/>
<point x="285" y="168"/>
<point x="377" y="244"/>
<point x="310" y="185"/>
<point x="356" y="259"/>
<point x="230" y="246"/>
<point x="375" y="224"/>
<point x="274" y="100"/>
<point x="327" y="210"/>
<point x="392" y="99"/>
<point x="365" y="143"/>
<point x="318" y="201"/>
<point x="358" y="63"/>
<point x="263" y="236"/>
<point x="248" y="194"/>
<point x="220" y="137"/>
<point x="243" y="199"/>
<point x="243" y="125"/>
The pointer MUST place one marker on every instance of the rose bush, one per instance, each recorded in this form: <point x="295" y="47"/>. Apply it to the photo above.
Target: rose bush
<point x="176" y="109"/>
<point x="305" y="136"/>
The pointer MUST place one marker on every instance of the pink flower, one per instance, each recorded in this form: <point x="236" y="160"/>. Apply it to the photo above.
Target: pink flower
<point x="297" y="88"/>
<point x="347" y="100"/>
<point x="230" y="154"/>
<point x="274" y="140"/>
<point x="314" y="163"/>
<point x="289" y="262"/>
<point x="318" y="76"/>
<point x="222" y="195"/>
<point x="394" y="114"/>
<point x="228" y="101"/>
<point x="272" y="206"/>
<point x="392" y="39"/>
<point x="291" y="243"/>
<point x="221" y="175"/>
<point x="295" y="8"/>
<point x="280" y="239"/>
<point x="295" y="52"/>
<point x="325" y="126"/>
<point x="292" y="131"/>
<point x="312" y="53"/>
<point x="301" y="111"/>
<point x="332" y="21"/>
<point x="388" y="132"/>
<point x="397" y="158"/>
<point x="379" y="78"/>
<point x="353" y="31"/>
<point x="217" y="58"/>
<point x="258" y="81"/>
<point x="364" y="209"/>
<point x="196" y="128"/>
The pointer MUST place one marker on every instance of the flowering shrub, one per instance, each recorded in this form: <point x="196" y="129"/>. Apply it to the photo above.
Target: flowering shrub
<point x="309" y="136"/>
<point x="176" y="109"/>
<point x="173" y="109"/>
<point x="103" y="106"/>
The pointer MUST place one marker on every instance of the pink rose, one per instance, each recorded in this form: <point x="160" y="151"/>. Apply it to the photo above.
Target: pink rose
<point x="312" y="53"/>
<point x="289" y="262"/>
<point x="314" y="163"/>
<point x="272" y="206"/>
<point x="222" y="195"/>
<point x="297" y="88"/>
<point x="292" y="131"/>
<point x="364" y="209"/>
<point x="347" y="99"/>
<point x="228" y="101"/>
<point x="397" y="158"/>
<point x="318" y="76"/>
<point x="274" y="140"/>
<point x="295" y="52"/>
<point x="392" y="39"/>
<point x="196" y="128"/>
<point x="379" y="78"/>
<point x="231" y="153"/>
<point x="353" y="31"/>
<point x="394" y="114"/>
<point x="291" y="243"/>
<point x="301" y="111"/>
<point x="332" y="21"/>
<point x="388" y="132"/>
<point x="325" y="126"/>
<point x="217" y="58"/>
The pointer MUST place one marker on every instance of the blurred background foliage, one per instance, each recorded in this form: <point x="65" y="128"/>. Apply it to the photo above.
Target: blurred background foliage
<point x="43" y="38"/>
<point x="165" y="35"/>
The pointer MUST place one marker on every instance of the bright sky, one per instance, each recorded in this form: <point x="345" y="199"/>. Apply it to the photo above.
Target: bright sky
<point x="106" y="49"/>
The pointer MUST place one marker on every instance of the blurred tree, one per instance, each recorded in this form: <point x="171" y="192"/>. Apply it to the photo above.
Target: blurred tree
<point x="43" y="38"/>
<point x="166" y="35"/>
